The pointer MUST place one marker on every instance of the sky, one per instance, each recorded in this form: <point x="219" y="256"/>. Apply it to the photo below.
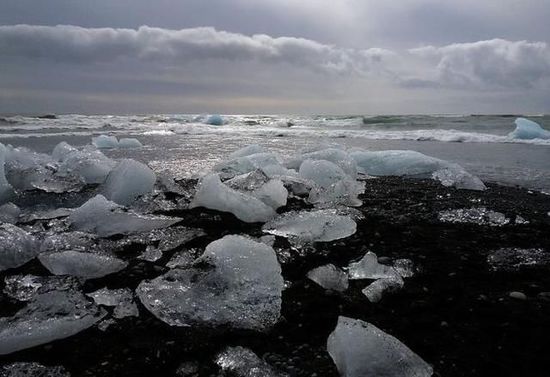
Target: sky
<point x="275" y="56"/>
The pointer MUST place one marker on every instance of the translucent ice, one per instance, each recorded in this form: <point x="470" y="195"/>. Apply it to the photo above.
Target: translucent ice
<point x="27" y="287"/>
<point x="92" y="165"/>
<point x="247" y="151"/>
<point x="329" y="277"/>
<point x="17" y="247"/>
<point x="337" y="156"/>
<point x="479" y="216"/>
<point x="49" y="316"/>
<point x="214" y="120"/>
<point x="242" y="362"/>
<point x="270" y="191"/>
<point x="376" y="290"/>
<point x="360" y="349"/>
<point x="513" y="259"/>
<point x="105" y="142"/>
<point x="369" y="268"/>
<point x="129" y="143"/>
<point x="415" y="164"/>
<point x="31" y="369"/>
<point x="128" y="180"/>
<point x="165" y="239"/>
<point x="317" y="226"/>
<point x="9" y="213"/>
<point x="527" y="129"/>
<point x="151" y="254"/>
<point x="6" y="190"/>
<point x="236" y="282"/>
<point x="105" y="218"/>
<point x="121" y="299"/>
<point x="267" y="162"/>
<point x="82" y="264"/>
<point x="213" y="194"/>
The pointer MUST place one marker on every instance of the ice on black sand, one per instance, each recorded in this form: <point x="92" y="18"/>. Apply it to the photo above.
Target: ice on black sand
<point x="329" y="277"/>
<point x="17" y="247"/>
<point x="128" y="180"/>
<point x="242" y="362"/>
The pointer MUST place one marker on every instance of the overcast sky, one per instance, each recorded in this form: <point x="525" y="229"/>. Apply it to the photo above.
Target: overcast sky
<point x="275" y="56"/>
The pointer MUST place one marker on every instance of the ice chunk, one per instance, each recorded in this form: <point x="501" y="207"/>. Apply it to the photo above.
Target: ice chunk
<point x="17" y="247"/>
<point x="527" y="129"/>
<point x="214" y="120"/>
<point x="6" y="191"/>
<point x="9" y="213"/>
<point x="129" y="143"/>
<point x="329" y="277"/>
<point x="247" y="151"/>
<point x="270" y="191"/>
<point x="31" y="369"/>
<point x="46" y="214"/>
<point x="165" y="239"/>
<point x="513" y="259"/>
<point x="405" y="267"/>
<point x="369" y="268"/>
<point x="49" y="316"/>
<point x="105" y="142"/>
<point x="105" y="218"/>
<point x="479" y="216"/>
<point x="182" y="259"/>
<point x="337" y="156"/>
<point x="89" y="163"/>
<point x="128" y="180"/>
<point x="26" y="287"/>
<point x="333" y="184"/>
<point x="317" y="226"/>
<point x="267" y="162"/>
<point x="360" y="349"/>
<point x="415" y="164"/>
<point x="377" y="289"/>
<point x="82" y="264"/>
<point x="151" y="254"/>
<point x="121" y="299"/>
<point x="236" y="282"/>
<point x="242" y="362"/>
<point x="213" y="194"/>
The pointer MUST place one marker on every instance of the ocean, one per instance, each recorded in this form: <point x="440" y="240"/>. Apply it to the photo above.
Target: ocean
<point x="186" y="146"/>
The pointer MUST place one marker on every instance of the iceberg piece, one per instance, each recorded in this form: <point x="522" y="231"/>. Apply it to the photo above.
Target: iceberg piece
<point x="527" y="129"/>
<point x="237" y="282"/>
<point x="306" y="227"/>
<point x="89" y="163"/>
<point x="369" y="268"/>
<point x="242" y="362"/>
<point x="479" y="216"/>
<point x="128" y="180"/>
<point x="151" y="254"/>
<point x="247" y="151"/>
<point x="182" y="259"/>
<point x="415" y="164"/>
<point x="405" y="267"/>
<point x="31" y="369"/>
<point x="333" y="184"/>
<point x="105" y="218"/>
<point x="121" y="299"/>
<point x="337" y="156"/>
<point x="27" y="287"/>
<point x="49" y="316"/>
<point x="377" y="289"/>
<point x="361" y="349"/>
<point x="270" y="191"/>
<point x="329" y="277"/>
<point x="17" y="247"/>
<point x="129" y="142"/>
<point x="214" y="120"/>
<point x="165" y="239"/>
<point x="267" y="162"/>
<point x="46" y="214"/>
<point x="6" y="191"/>
<point x="513" y="259"/>
<point x="213" y="194"/>
<point x="9" y="213"/>
<point x="82" y="264"/>
<point x="105" y="142"/>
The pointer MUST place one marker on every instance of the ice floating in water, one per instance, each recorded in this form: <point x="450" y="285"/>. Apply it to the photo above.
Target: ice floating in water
<point x="270" y="191"/>
<point x="329" y="277"/>
<point x="333" y="185"/>
<point x="377" y="289"/>
<point x="236" y="282"/>
<point x="47" y="317"/>
<point x="127" y="142"/>
<point x="105" y="142"/>
<point x="247" y="151"/>
<point x="360" y="349"/>
<point x="6" y="191"/>
<point x="17" y="247"/>
<point x="121" y="299"/>
<point x="242" y="362"/>
<point x="26" y="287"/>
<point x="213" y="194"/>
<point x="369" y="268"/>
<point x="31" y="369"/>
<point x="317" y="226"/>
<point x="82" y="264"/>
<point x="214" y="120"/>
<point x="89" y="163"/>
<point x="415" y="164"/>
<point x="105" y="218"/>
<point x="527" y="129"/>
<point x="128" y="180"/>
<point x="479" y="216"/>
<point x="513" y="259"/>
<point x="9" y="213"/>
